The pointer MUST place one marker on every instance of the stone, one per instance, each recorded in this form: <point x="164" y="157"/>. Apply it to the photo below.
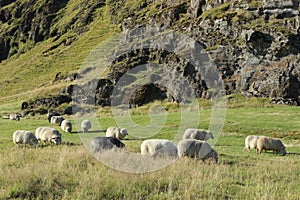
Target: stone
<point x="272" y="4"/>
<point x="195" y="9"/>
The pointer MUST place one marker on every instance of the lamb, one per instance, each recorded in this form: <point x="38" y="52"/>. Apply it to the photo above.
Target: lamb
<point x="57" y="120"/>
<point x="16" y="117"/>
<point x="196" y="149"/>
<point x="159" y="147"/>
<point x="251" y="142"/>
<point x="24" y="137"/>
<point x="66" y="126"/>
<point x="47" y="134"/>
<point x="198" y="134"/>
<point x="105" y="143"/>
<point x="119" y="133"/>
<point x="51" y="114"/>
<point x="267" y="143"/>
<point x="86" y="125"/>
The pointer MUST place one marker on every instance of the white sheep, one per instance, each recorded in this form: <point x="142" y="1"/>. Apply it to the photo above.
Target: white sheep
<point x="105" y="143"/>
<point x="86" y="125"/>
<point x="196" y="149"/>
<point x="251" y="142"/>
<point x="16" y="117"/>
<point x="119" y="133"/>
<point x="57" y="120"/>
<point x="267" y="143"/>
<point x="47" y="134"/>
<point x="24" y="137"/>
<point x="198" y="134"/>
<point x="159" y="147"/>
<point x="66" y="126"/>
<point x="51" y="113"/>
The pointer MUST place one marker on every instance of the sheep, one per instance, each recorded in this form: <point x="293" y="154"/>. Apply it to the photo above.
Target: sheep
<point x="267" y="143"/>
<point x="16" y="117"/>
<point x="198" y="134"/>
<point x="51" y="114"/>
<point x="105" y="143"/>
<point x="159" y="147"/>
<point x="66" y="126"/>
<point x="24" y="137"/>
<point x="119" y="133"/>
<point x="251" y="142"/>
<point x="196" y="149"/>
<point x="47" y="134"/>
<point x="57" y="120"/>
<point x="86" y="125"/>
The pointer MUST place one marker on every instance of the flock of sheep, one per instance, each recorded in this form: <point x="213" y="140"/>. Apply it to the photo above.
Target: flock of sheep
<point x="193" y="143"/>
<point x="46" y="134"/>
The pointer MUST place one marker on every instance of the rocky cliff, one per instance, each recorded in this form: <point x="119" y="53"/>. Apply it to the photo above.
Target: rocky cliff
<point x="26" y="23"/>
<point x="254" y="44"/>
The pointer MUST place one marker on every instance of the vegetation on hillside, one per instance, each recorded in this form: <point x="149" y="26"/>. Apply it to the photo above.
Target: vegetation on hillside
<point x="76" y="30"/>
<point x="48" y="38"/>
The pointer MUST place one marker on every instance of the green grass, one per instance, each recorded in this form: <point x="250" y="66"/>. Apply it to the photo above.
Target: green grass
<point x="71" y="172"/>
<point x="218" y="12"/>
<point x="29" y="75"/>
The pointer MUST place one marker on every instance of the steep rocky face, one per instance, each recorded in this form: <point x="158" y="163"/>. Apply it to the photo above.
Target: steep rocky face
<point x="254" y="44"/>
<point x="25" y="23"/>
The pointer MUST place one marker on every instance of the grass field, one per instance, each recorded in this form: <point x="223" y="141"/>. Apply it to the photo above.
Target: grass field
<point x="69" y="171"/>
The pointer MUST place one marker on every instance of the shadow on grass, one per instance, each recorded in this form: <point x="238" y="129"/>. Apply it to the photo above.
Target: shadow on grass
<point x="62" y="144"/>
<point x="94" y="131"/>
<point x="133" y="139"/>
<point x="103" y="131"/>
<point x="228" y="159"/>
<point x="277" y="154"/>
<point x="293" y="153"/>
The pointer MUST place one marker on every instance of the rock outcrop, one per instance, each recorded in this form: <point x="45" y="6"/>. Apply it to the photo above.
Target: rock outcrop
<point x="25" y="23"/>
<point x="254" y="46"/>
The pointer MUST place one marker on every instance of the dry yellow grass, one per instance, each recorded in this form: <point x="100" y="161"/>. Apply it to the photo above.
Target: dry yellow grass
<point x="70" y="172"/>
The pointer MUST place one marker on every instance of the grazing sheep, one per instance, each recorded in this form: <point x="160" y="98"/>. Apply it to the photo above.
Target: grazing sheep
<point x="267" y="143"/>
<point x="51" y="114"/>
<point x="16" y="117"/>
<point x="196" y="149"/>
<point x="105" y="143"/>
<point x="86" y="125"/>
<point x="197" y="134"/>
<point x="57" y="120"/>
<point x="116" y="132"/>
<point x="24" y="137"/>
<point x="251" y="142"/>
<point x="158" y="147"/>
<point x="66" y="126"/>
<point x="47" y="134"/>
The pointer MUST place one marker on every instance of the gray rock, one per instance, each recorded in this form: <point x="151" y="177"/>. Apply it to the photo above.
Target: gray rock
<point x="280" y="3"/>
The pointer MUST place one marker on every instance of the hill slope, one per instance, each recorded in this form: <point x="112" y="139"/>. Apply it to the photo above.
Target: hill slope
<point x="34" y="64"/>
<point x="254" y="44"/>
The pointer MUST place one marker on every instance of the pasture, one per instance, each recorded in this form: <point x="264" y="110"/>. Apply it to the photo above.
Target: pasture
<point x="69" y="171"/>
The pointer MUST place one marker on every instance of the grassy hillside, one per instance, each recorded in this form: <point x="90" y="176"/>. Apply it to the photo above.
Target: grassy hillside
<point x="77" y="28"/>
<point x="31" y="74"/>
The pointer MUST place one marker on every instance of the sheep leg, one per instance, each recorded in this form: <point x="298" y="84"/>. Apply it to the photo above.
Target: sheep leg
<point x="258" y="151"/>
